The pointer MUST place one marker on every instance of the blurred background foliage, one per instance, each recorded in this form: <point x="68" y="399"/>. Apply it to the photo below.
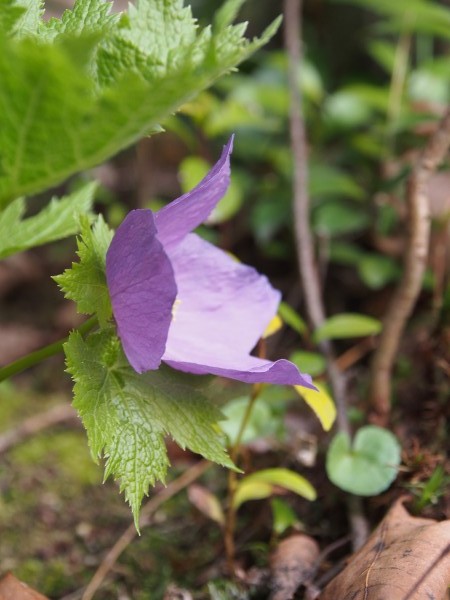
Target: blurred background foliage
<point x="374" y="82"/>
<point x="375" y="79"/>
<point x="376" y="76"/>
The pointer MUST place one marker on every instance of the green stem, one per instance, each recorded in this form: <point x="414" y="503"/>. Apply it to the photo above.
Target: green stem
<point x="39" y="355"/>
<point x="234" y="452"/>
<point x="230" y="519"/>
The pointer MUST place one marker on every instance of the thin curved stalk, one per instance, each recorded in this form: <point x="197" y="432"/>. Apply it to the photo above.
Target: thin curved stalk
<point x="34" y="358"/>
<point x="415" y="262"/>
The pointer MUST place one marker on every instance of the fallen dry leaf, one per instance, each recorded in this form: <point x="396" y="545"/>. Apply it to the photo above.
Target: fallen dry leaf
<point x="206" y="503"/>
<point x="291" y="565"/>
<point x="175" y="593"/>
<point x="13" y="589"/>
<point x="406" y="558"/>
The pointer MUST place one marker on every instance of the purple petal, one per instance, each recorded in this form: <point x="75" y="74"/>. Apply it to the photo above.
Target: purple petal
<point x="142" y="288"/>
<point x="221" y="311"/>
<point x="252" y="370"/>
<point x="187" y="212"/>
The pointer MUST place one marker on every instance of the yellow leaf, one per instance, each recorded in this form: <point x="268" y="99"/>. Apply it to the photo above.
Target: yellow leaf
<point x="285" y="478"/>
<point x="275" y="324"/>
<point x="320" y="402"/>
<point x="261" y="484"/>
<point x="251" y="490"/>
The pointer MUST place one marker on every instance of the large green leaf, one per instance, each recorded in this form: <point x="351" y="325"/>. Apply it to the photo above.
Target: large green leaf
<point x="127" y="415"/>
<point x="59" y="219"/>
<point x="411" y="15"/>
<point x="74" y="92"/>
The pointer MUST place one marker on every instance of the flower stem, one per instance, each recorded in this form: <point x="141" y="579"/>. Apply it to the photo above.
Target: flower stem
<point x="39" y="355"/>
<point x="230" y="520"/>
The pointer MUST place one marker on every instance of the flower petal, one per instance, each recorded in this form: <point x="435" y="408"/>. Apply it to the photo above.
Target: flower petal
<point x="222" y="310"/>
<point x="251" y="370"/>
<point x="187" y="212"/>
<point x="142" y="288"/>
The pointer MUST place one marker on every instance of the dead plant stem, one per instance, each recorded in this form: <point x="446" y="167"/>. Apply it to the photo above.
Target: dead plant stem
<point x="415" y="261"/>
<point x="61" y="413"/>
<point x="304" y="239"/>
<point x="149" y="509"/>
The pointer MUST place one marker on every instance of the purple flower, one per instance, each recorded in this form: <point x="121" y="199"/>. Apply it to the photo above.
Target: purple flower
<point x="179" y="299"/>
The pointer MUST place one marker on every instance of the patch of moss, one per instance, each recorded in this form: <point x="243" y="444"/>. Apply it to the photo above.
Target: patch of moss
<point x="49" y="577"/>
<point x="64" y="452"/>
<point x="12" y="402"/>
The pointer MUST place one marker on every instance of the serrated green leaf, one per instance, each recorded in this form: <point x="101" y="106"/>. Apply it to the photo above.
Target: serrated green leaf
<point x="227" y="13"/>
<point x="85" y="281"/>
<point x="90" y="84"/>
<point x="127" y="415"/>
<point x="29" y="16"/>
<point x="86" y="16"/>
<point x="10" y="13"/>
<point x="57" y="220"/>
<point x="347" y="325"/>
<point x="367" y="467"/>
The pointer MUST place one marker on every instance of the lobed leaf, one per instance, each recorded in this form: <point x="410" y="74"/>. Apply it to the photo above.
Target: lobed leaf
<point x="59" y="219"/>
<point x="77" y="90"/>
<point x="127" y="415"/>
<point x="85" y="281"/>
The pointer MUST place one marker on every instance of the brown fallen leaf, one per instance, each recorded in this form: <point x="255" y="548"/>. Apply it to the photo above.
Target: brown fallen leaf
<point x="13" y="589"/>
<point x="206" y="503"/>
<point x="175" y="593"/>
<point x="406" y="558"/>
<point x="291" y="565"/>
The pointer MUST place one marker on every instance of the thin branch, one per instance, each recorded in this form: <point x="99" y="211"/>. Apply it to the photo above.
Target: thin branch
<point x="149" y="509"/>
<point x="61" y="413"/>
<point x="32" y="359"/>
<point x="415" y="262"/>
<point x="304" y="239"/>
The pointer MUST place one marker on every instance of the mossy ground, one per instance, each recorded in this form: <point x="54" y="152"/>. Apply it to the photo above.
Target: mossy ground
<point x="57" y="518"/>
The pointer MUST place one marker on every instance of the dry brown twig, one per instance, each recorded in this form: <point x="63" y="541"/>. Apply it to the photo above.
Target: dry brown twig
<point x="304" y="240"/>
<point x="61" y="413"/>
<point x="130" y="533"/>
<point x="305" y="244"/>
<point x="415" y="262"/>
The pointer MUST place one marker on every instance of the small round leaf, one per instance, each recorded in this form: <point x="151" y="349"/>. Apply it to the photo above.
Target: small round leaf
<point x="369" y="467"/>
